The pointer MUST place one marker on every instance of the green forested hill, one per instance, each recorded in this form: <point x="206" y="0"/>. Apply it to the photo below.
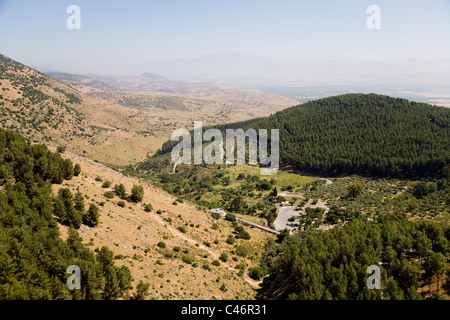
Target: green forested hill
<point x="365" y="134"/>
<point x="33" y="257"/>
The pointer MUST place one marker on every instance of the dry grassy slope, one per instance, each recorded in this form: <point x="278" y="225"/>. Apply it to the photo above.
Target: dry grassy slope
<point x="126" y="134"/>
<point x="31" y="105"/>
<point x="39" y="108"/>
<point x="212" y="108"/>
<point x="119" y="230"/>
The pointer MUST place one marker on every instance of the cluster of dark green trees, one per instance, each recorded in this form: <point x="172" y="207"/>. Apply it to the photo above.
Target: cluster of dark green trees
<point x="71" y="209"/>
<point x="33" y="257"/>
<point x="21" y="162"/>
<point x="333" y="264"/>
<point x="137" y="192"/>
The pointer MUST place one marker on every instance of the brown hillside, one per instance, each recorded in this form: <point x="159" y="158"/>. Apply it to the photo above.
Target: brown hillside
<point x="134" y="234"/>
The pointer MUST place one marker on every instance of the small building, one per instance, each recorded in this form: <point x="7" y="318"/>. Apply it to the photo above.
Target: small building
<point x="219" y="210"/>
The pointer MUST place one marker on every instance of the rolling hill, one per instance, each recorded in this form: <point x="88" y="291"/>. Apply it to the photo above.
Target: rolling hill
<point x="365" y="134"/>
<point x="31" y="103"/>
<point x="173" y="247"/>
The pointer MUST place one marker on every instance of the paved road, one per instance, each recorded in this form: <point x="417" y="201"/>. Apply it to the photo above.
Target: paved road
<point x="289" y="194"/>
<point x="284" y="213"/>
<point x="267" y="229"/>
<point x="319" y="204"/>
<point x="264" y="228"/>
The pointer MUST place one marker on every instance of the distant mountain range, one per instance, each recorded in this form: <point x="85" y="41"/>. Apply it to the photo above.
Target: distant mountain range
<point x="143" y="82"/>
<point x="416" y="79"/>
<point x="253" y="70"/>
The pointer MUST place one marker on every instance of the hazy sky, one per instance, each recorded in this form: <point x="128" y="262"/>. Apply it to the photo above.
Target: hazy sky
<point x="118" y="32"/>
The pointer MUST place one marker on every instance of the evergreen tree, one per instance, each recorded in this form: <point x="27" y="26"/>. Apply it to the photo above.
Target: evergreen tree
<point x="79" y="202"/>
<point x="120" y="191"/>
<point x="91" y="217"/>
<point x="137" y="193"/>
<point x="436" y="265"/>
<point x="106" y="258"/>
<point x="67" y="169"/>
<point x="112" y="286"/>
<point x="59" y="208"/>
<point x="141" y="291"/>
<point x="237" y="204"/>
<point x="124" y="277"/>
<point x="354" y="190"/>
<point x="275" y="192"/>
<point x="76" y="170"/>
<point x="73" y="217"/>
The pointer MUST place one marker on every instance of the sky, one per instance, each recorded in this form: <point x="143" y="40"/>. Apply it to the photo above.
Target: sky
<point x="115" y="34"/>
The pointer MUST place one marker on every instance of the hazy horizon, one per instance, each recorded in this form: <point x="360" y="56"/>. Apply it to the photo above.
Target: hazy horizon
<point x="245" y="43"/>
<point x="132" y="69"/>
<point x="116" y="36"/>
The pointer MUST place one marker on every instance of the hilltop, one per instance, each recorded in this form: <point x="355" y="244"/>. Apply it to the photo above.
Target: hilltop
<point x="143" y="82"/>
<point x="365" y="134"/>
